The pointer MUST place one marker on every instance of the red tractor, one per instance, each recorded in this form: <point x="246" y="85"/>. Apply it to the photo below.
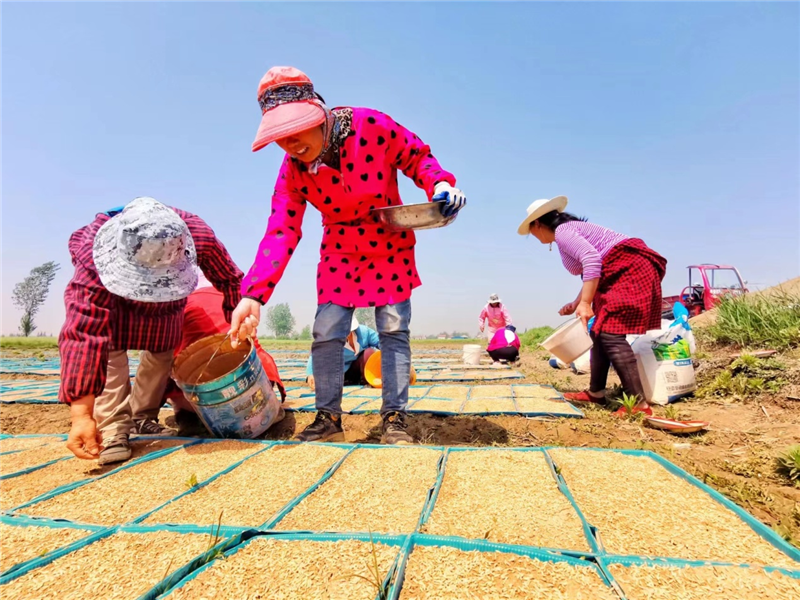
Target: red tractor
<point x="707" y="284"/>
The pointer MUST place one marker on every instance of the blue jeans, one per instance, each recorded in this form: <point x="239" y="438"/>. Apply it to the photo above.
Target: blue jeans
<point x="331" y="328"/>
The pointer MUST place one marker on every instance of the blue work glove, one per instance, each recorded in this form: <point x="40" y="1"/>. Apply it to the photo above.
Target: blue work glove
<point x="454" y="198"/>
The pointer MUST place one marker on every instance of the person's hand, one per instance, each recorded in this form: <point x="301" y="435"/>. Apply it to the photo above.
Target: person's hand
<point x="584" y="312"/>
<point x="454" y="198"/>
<point x="568" y="308"/>
<point x="310" y="382"/>
<point x="84" y="439"/>
<point x="244" y="320"/>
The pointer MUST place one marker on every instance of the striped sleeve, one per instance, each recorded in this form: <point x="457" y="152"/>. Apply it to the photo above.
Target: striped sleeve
<point x="84" y="339"/>
<point x="579" y="256"/>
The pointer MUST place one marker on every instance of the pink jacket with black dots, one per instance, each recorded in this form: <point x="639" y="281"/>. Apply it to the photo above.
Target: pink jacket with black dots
<point x="362" y="263"/>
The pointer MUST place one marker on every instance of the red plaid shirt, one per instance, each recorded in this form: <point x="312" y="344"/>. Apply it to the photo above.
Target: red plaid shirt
<point x="98" y="321"/>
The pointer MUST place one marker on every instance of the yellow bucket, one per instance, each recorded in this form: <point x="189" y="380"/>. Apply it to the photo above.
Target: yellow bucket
<point x="372" y="371"/>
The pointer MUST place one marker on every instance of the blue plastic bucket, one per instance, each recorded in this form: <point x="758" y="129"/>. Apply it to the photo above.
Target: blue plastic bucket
<point x="232" y="393"/>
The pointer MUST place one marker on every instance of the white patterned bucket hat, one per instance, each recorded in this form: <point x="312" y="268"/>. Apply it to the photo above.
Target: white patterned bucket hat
<point x="146" y="253"/>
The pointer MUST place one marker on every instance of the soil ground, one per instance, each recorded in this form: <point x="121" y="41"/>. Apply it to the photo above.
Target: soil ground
<point x="736" y="455"/>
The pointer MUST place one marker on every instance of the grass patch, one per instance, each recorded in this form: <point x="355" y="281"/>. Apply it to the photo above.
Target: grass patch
<point x="757" y="321"/>
<point x="747" y="376"/>
<point x="788" y="464"/>
<point x="533" y="337"/>
<point x="28" y="343"/>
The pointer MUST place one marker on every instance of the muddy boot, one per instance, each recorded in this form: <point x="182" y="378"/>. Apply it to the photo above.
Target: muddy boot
<point x="326" y="427"/>
<point x="395" y="429"/>
<point x="116" y="449"/>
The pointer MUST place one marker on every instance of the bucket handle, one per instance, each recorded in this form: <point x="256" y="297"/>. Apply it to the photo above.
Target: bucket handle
<point x="203" y="371"/>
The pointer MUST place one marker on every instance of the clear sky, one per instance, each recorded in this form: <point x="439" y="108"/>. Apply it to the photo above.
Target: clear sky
<point x="676" y="123"/>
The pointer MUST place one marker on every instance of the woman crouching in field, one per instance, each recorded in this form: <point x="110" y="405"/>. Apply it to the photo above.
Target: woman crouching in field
<point x="621" y="290"/>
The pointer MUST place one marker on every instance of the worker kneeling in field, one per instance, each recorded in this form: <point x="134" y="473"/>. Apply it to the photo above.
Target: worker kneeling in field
<point x="504" y="346"/>
<point x="361" y="343"/>
<point x="134" y="268"/>
<point x="205" y="316"/>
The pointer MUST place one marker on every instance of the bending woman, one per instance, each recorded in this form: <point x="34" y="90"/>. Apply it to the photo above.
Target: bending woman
<point x="344" y="162"/>
<point x="621" y="290"/>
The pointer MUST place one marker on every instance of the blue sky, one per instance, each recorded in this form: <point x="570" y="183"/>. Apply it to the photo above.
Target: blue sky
<point x="676" y="123"/>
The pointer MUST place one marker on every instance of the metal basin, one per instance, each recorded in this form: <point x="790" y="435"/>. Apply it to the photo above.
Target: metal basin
<point x="414" y="216"/>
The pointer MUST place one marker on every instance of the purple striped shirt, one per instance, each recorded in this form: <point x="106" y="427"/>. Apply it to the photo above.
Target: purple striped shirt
<point x="583" y="247"/>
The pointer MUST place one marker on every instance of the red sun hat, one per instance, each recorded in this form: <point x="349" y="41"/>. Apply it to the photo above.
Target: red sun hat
<point x="288" y="105"/>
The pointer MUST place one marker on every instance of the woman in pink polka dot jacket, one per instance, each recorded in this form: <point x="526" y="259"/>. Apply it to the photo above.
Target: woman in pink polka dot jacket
<point x="344" y="162"/>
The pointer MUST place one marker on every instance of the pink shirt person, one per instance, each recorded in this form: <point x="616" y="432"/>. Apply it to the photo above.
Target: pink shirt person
<point x="504" y="339"/>
<point x="362" y="263"/>
<point x="494" y="316"/>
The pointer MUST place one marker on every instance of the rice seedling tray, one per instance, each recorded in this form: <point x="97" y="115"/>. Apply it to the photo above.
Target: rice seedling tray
<point x="639" y="578"/>
<point x="505" y="496"/>
<point x="17" y="443"/>
<point x="289" y="566"/>
<point x="381" y="489"/>
<point x="29" y="391"/>
<point x="131" y="492"/>
<point x="448" y="568"/>
<point x="449" y="400"/>
<point x="100" y="564"/>
<point x="24" y="540"/>
<point x="32" y="459"/>
<point x="251" y="492"/>
<point x="31" y="486"/>
<point x="640" y="504"/>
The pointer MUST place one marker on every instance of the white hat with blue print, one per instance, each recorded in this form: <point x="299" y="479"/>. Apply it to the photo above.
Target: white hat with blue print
<point x="146" y="253"/>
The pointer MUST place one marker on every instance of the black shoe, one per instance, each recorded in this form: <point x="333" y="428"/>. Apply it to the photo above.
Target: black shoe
<point x="326" y="427"/>
<point x="394" y="429"/>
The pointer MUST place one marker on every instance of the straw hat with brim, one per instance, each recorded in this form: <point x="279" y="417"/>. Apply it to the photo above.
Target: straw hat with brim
<point x="289" y="105"/>
<point x="540" y="208"/>
<point x="146" y="253"/>
<point x="494" y="299"/>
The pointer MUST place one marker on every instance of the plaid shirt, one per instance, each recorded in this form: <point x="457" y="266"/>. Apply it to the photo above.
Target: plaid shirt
<point x="98" y="321"/>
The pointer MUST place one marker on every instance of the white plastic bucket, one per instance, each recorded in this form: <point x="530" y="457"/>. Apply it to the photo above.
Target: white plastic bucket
<point x="472" y="354"/>
<point x="569" y="341"/>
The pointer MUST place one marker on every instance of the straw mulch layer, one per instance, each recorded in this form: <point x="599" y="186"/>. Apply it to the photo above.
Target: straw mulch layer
<point x="534" y="391"/>
<point x="435" y="405"/>
<point x="255" y="490"/>
<point x="704" y="583"/>
<point x="505" y="496"/>
<point x="294" y="570"/>
<point x="449" y="392"/>
<point x="491" y="391"/>
<point x="124" y="565"/>
<point x="18" y="544"/>
<point x="484" y="405"/>
<point x="443" y="573"/>
<point x="350" y="403"/>
<point x="640" y="508"/>
<point x="131" y="492"/>
<point x="22" y="489"/>
<point x="366" y="393"/>
<point x="544" y="405"/>
<point x="371" y="406"/>
<point x="418" y="392"/>
<point x="10" y="444"/>
<point x="19" y="461"/>
<point x="382" y="491"/>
